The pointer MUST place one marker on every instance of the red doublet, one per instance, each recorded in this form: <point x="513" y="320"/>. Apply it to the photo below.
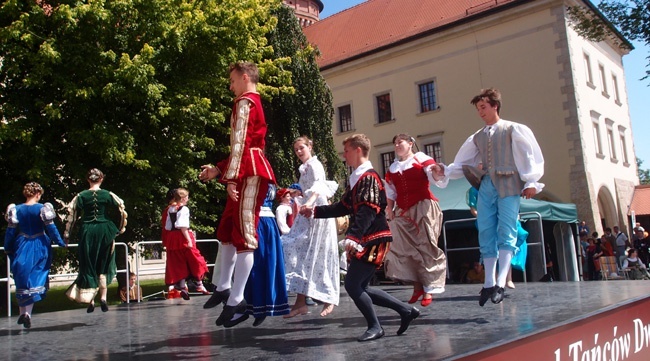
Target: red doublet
<point x="412" y="185"/>
<point x="247" y="142"/>
<point x="249" y="170"/>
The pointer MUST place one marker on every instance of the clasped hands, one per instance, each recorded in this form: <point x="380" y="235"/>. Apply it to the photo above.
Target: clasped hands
<point x="307" y="210"/>
<point x="437" y="171"/>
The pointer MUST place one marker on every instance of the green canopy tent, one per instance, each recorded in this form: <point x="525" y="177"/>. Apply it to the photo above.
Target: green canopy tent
<point x="554" y="224"/>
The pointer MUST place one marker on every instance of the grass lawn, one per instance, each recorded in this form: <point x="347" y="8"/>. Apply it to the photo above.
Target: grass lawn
<point x="56" y="300"/>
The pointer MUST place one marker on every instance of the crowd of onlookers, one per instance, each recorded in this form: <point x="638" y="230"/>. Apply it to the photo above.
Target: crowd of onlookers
<point x="631" y="253"/>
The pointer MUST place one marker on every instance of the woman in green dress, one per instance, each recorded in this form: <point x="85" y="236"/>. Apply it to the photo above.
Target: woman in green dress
<point x="97" y="234"/>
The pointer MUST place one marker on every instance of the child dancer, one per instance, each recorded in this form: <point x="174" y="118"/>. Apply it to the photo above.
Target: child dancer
<point x="183" y="259"/>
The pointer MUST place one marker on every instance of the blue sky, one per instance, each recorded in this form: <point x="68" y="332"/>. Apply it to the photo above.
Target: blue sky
<point x="638" y="91"/>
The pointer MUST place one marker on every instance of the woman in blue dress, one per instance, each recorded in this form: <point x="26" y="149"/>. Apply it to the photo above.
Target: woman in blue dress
<point x="28" y="242"/>
<point x="266" y="291"/>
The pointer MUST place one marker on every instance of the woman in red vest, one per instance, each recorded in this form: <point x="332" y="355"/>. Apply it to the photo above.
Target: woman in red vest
<point x="415" y="220"/>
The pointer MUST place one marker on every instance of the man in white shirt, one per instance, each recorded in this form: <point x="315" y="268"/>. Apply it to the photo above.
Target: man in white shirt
<point x="622" y="243"/>
<point x="512" y="165"/>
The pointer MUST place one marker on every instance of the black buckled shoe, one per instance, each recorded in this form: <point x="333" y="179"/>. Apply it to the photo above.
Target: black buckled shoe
<point x="21" y="319"/>
<point x="91" y="308"/>
<point x="229" y="311"/>
<point x="486" y="293"/>
<point x="185" y="295"/>
<point x="371" y="335"/>
<point x="28" y="321"/>
<point x="103" y="306"/>
<point x="217" y="298"/>
<point x="235" y="322"/>
<point x="498" y="294"/>
<point x="406" y="320"/>
<point x="258" y="321"/>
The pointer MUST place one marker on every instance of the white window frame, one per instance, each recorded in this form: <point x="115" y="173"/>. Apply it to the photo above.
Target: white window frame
<point x="623" y="143"/>
<point x="617" y="94"/>
<point x="603" y="80"/>
<point x="611" y="142"/>
<point x="598" y="143"/>
<point x="589" y="74"/>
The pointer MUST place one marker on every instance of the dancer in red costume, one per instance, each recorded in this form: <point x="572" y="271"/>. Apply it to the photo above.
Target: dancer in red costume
<point x="247" y="174"/>
<point x="415" y="221"/>
<point x="183" y="258"/>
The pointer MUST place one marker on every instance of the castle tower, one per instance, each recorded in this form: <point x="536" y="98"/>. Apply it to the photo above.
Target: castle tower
<point x="307" y="11"/>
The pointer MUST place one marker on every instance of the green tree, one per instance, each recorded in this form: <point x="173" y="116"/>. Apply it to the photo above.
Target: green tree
<point x="136" y="88"/>
<point x="307" y="110"/>
<point x="644" y="174"/>
<point x="630" y="17"/>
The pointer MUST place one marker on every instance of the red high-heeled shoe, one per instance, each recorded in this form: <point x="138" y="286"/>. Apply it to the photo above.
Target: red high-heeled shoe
<point x="426" y="301"/>
<point x="416" y="296"/>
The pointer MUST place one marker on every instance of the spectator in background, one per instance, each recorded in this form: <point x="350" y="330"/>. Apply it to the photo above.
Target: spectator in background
<point x="583" y="227"/>
<point x="622" y="243"/>
<point x="637" y="269"/>
<point x="609" y="238"/>
<point x="641" y="244"/>
<point x="134" y="292"/>
<point x="476" y="274"/>
<point x="607" y="248"/>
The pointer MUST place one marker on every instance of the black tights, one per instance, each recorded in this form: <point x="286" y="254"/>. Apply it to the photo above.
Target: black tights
<point x="356" y="284"/>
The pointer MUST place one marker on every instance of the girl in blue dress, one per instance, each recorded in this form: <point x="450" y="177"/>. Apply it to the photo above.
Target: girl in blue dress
<point x="28" y="242"/>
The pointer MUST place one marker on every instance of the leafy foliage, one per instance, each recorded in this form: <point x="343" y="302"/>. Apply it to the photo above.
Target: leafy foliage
<point x="644" y="174"/>
<point x="631" y="17"/>
<point x="138" y="89"/>
<point x="305" y="111"/>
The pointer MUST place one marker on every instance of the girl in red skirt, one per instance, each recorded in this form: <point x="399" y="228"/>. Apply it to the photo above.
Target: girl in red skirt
<point x="183" y="258"/>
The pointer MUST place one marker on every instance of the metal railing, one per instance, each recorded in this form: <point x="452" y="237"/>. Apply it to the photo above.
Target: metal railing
<point x="538" y="217"/>
<point x="58" y="275"/>
<point x="138" y="255"/>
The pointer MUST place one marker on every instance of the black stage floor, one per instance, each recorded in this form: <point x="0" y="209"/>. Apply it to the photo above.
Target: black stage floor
<point x="452" y="327"/>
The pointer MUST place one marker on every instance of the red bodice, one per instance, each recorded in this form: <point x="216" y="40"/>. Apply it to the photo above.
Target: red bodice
<point x="411" y="186"/>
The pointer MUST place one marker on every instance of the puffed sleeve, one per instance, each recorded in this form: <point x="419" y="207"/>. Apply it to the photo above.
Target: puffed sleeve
<point x="73" y="208"/>
<point x="183" y="218"/>
<point x="321" y="186"/>
<point x="12" y="228"/>
<point x="468" y="154"/>
<point x="122" y="209"/>
<point x="47" y="216"/>
<point x="528" y="156"/>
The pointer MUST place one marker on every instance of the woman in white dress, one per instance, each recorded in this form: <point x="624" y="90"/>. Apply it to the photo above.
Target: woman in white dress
<point x="311" y="253"/>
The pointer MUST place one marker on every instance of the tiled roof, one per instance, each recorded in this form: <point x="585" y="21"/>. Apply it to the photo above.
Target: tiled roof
<point x="641" y="200"/>
<point x="375" y="24"/>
